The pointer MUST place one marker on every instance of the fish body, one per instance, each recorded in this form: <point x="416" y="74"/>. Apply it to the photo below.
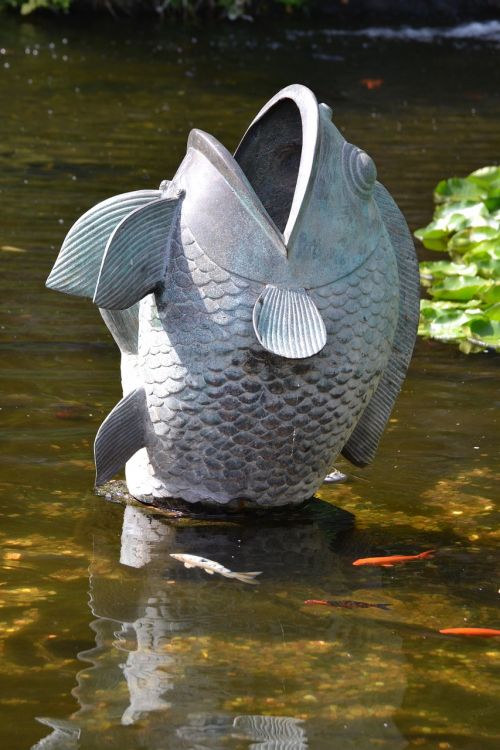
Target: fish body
<point x="265" y="307"/>
<point x="347" y="604"/>
<point x="483" y="632"/>
<point x="211" y="567"/>
<point x="390" y="560"/>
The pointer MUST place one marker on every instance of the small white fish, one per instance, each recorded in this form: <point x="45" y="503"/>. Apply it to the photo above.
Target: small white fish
<point x="211" y="567"/>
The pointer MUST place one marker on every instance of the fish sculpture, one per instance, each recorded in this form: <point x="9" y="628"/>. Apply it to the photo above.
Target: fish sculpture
<point x="347" y="604"/>
<point x="265" y="305"/>
<point x="211" y="567"/>
<point x="390" y="560"/>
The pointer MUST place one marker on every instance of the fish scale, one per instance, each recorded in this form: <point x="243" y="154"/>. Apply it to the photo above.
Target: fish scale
<point x="267" y="451"/>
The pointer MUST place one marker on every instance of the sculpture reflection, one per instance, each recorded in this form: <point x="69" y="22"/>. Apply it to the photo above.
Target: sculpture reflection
<point x="185" y="660"/>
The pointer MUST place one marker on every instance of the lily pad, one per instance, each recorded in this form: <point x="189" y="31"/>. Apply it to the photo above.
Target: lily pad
<point x="459" y="189"/>
<point x="465" y="291"/>
<point x="467" y="239"/>
<point x="455" y="216"/>
<point x="493" y="312"/>
<point x="459" y="287"/>
<point x="486" y="177"/>
<point x="432" y="270"/>
<point x="486" y="332"/>
<point x="491" y="295"/>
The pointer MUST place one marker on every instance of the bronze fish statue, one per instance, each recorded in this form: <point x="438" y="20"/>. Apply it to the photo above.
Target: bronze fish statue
<point x="265" y="305"/>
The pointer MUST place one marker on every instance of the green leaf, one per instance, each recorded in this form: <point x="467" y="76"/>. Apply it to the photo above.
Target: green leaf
<point x="493" y="203"/>
<point x="465" y="292"/>
<point x="491" y="295"/>
<point x="437" y="269"/>
<point x="493" y="312"/>
<point x="459" y="287"/>
<point x="463" y="241"/>
<point x="433" y="237"/>
<point x="459" y="189"/>
<point x="483" y="250"/>
<point x="458" y="215"/>
<point x="488" y="268"/>
<point x="446" y="304"/>
<point x="486" y="331"/>
<point x="445" y="323"/>
<point x="487" y="178"/>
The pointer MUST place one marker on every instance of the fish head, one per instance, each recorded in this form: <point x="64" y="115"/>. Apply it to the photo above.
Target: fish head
<point x="317" y="187"/>
<point x="178" y="556"/>
<point x="295" y="204"/>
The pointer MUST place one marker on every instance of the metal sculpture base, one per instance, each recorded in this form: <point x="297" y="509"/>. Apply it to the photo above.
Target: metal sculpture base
<point x="176" y="509"/>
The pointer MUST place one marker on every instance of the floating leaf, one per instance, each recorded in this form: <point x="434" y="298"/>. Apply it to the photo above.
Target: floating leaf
<point x="455" y="216"/>
<point x="488" y="248"/>
<point x="491" y="295"/>
<point x="463" y="241"/>
<point x="493" y="312"/>
<point x="486" y="332"/>
<point x="465" y="304"/>
<point x="488" y="267"/>
<point x="486" y="177"/>
<point x="459" y="189"/>
<point x="433" y="237"/>
<point x="459" y="287"/>
<point x="438" y="269"/>
<point x="493" y="202"/>
<point x="448" y="325"/>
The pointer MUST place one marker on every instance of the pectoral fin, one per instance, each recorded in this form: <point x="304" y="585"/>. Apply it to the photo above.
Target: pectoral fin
<point x="136" y="255"/>
<point x="288" y="323"/>
<point x="121" y="435"/>
<point x="77" y="266"/>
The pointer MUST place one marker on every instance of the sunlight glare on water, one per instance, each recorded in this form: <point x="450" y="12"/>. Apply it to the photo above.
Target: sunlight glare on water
<point x="107" y="639"/>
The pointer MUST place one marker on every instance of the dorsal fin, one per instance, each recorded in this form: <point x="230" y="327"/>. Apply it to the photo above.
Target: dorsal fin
<point x="288" y="323"/>
<point x="136" y="255"/>
<point x="77" y="266"/>
<point x="121" y="435"/>
<point x="363" y="443"/>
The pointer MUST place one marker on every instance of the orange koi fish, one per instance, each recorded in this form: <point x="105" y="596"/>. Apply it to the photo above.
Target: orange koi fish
<point x="484" y="632"/>
<point x="372" y="83"/>
<point x="346" y="603"/>
<point x="390" y="560"/>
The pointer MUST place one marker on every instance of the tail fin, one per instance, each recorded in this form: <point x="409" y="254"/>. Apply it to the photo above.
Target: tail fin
<point x="385" y="607"/>
<point x="427" y="553"/>
<point x="76" y="269"/>
<point x="117" y="252"/>
<point x="247" y="577"/>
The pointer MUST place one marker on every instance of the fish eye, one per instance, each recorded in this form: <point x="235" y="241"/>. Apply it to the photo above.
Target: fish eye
<point x="359" y="169"/>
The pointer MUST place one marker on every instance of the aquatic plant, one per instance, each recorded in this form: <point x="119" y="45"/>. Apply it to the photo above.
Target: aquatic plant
<point x="232" y="9"/>
<point x="464" y="304"/>
<point x="28" y="6"/>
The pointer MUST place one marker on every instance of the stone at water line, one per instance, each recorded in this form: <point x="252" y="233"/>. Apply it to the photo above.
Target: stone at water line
<point x="265" y="305"/>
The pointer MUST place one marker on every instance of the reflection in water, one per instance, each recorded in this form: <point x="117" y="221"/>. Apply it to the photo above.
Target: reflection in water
<point x="181" y="661"/>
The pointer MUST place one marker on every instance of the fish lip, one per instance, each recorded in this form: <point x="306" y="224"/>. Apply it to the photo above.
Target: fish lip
<point x="309" y="111"/>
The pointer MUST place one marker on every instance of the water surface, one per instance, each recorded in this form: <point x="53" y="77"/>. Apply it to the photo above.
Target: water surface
<point x="101" y="631"/>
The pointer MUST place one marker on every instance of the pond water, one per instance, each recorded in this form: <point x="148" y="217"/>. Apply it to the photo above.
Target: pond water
<point x="104" y="635"/>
